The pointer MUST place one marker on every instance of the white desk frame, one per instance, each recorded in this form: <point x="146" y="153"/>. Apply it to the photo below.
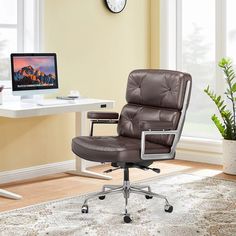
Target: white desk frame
<point x="16" y="109"/>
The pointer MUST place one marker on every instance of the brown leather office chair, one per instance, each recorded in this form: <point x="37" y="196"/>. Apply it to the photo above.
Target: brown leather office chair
<point x="149" y="128"/>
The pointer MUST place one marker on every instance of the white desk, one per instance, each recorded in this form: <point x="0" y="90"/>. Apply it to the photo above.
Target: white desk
<point x="16" y="109"/>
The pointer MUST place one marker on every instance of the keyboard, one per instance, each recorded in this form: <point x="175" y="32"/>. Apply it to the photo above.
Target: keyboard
<point x="51" y="102"/>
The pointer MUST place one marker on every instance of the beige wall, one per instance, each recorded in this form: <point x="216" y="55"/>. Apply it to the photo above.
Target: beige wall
<point x="155" y="34"/>
<point x="96" y="51"/>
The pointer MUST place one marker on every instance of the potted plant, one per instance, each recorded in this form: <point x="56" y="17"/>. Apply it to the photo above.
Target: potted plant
<point x="227" y="124"/>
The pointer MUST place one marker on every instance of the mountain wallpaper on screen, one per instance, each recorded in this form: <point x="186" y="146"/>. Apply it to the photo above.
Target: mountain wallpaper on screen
<point x="30" y="76"/>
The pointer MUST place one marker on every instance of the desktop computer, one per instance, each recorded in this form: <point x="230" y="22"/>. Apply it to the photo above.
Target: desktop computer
<point x="34" y="74"/>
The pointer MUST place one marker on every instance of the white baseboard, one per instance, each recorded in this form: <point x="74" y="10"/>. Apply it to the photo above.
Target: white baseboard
<point x="36" y="171"/>
<point x="92" y="163"/>
<point x="200" y="150"/>
<point x="203" y="157"/>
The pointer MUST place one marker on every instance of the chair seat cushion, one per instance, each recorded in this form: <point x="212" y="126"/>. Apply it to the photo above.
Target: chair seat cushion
<point x="113" y="148"/>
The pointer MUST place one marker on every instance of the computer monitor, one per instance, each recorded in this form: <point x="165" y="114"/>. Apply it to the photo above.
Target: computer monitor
<point x="34" y="73"/>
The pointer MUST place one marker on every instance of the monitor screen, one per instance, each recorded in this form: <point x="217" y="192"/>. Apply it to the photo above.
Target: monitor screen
<point x="34" y="72"/>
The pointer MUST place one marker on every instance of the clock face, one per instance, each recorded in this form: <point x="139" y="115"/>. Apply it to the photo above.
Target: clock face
<point x="116" y="6"/>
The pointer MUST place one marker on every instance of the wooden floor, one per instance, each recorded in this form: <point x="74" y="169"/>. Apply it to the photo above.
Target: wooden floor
<point x="64" y="185"/>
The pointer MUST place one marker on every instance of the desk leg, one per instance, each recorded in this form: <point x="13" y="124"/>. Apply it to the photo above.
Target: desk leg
<point x="81" y="129"/>
<point x="7" y="194"/>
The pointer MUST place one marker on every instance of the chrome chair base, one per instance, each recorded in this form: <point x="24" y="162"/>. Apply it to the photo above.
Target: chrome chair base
<point x="126" y="189"/>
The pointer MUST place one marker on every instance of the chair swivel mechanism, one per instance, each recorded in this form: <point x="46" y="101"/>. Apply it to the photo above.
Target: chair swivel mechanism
<point x="149" y="128"/>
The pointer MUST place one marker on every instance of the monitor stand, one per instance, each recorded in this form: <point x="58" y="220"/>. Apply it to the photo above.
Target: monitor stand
<point x="34" y="99"/>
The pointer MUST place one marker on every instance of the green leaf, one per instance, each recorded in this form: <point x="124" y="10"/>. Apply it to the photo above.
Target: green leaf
<point x="219" y="125"/>
<point x="233" y="88"/>
<point x="224" y="62"/>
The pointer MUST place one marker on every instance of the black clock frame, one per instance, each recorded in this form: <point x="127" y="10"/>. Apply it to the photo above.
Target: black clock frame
<point x="114" y="12"/>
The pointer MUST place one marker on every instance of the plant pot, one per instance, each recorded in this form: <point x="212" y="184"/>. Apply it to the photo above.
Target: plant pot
<point x="229" y="157"/>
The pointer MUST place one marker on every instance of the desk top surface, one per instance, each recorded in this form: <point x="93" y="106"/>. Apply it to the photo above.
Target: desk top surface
<point x="18" y="109"/>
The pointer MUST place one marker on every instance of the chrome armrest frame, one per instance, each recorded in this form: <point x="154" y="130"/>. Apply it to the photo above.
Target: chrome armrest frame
<point x="164" y="156"/>
<point x="176" y="133"/>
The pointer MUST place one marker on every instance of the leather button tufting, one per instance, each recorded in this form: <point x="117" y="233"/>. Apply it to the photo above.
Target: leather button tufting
<point x="157" y="88"/>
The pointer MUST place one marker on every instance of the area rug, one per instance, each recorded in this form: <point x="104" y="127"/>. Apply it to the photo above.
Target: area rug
<point x="202" y="206"/>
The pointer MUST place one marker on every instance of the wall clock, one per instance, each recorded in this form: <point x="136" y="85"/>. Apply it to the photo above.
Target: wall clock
<point x="116" y="6"/>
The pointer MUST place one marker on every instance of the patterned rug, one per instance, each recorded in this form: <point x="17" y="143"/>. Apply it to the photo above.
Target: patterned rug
<point x="202" y="206"/>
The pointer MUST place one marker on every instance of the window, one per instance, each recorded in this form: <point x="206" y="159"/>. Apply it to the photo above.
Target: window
<point x="8" y="34"/>
<point x="198" y="34"/>
<point x="231" y="30"/>
<point x="197" y="57"/>
<point x="19" y="30"/>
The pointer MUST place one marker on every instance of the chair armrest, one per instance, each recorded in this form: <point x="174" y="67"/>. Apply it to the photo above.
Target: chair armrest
<point x="102" y="115"/>
<point x="102" y="118"/>
<point x="156" y="125"/>
<point x="164" y="156"/>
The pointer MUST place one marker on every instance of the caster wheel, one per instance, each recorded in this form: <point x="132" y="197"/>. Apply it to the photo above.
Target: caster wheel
<point x="84" y="209"/>
<point x="127" y="219"/>
<point x="101" y="197"/>
<point x="148" y="197"/>
<point x="168" y="208"/>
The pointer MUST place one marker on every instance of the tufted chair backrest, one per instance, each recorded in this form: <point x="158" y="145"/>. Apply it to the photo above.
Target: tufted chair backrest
<point x="155" y="95"/>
